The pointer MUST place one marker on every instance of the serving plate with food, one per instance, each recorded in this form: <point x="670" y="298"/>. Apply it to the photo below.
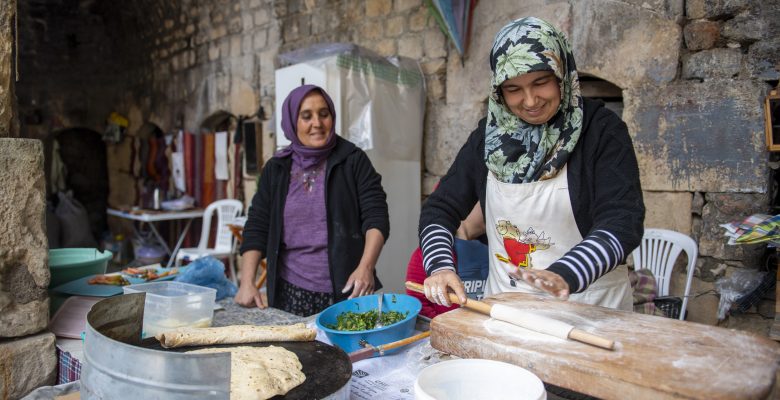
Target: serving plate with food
<point x="105" y="285"/>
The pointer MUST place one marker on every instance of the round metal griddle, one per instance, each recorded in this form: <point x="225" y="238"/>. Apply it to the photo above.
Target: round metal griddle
<point x="327" y="368"/>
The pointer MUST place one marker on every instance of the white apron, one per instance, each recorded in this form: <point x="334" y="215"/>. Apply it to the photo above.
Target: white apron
<point x="532" y="225"/>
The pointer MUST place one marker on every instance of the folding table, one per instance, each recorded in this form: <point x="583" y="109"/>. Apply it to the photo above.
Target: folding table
<point x="150" y="216"/>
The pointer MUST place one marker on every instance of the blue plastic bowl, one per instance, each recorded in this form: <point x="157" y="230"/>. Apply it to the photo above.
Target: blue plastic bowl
<point x="349" y="341"/>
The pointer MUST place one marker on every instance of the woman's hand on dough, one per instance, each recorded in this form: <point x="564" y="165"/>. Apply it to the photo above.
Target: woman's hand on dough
<point x="249" y="296"/>
<point x="438" y="285"/>
<point x="547" y="281"/>
<point x="361" y="282"/>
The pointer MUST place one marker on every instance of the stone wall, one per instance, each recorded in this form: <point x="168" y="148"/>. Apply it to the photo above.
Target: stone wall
<point x="27" y="355"/>
<point x="693" y="75"/>
<point x="8" y="125"/>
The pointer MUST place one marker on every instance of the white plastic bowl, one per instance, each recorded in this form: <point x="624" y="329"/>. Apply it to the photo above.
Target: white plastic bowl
<point x="471" y="379"/>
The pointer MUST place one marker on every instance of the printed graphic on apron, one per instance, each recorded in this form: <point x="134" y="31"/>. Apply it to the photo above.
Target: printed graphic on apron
<point x="519" y="246"/>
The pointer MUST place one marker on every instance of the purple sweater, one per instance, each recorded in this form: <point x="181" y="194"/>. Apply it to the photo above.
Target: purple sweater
<point x="304" y="255"/>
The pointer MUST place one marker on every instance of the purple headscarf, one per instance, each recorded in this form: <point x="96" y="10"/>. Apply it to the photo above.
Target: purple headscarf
<point x="305" y="156"/>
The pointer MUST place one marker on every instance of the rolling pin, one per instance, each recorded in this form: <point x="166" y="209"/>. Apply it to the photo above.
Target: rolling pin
<point x="527" y="320"/>
<point x="369" y="350"/>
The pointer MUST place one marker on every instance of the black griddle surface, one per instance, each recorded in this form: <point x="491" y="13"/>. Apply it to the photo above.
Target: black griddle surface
<point x="327" y="368"/>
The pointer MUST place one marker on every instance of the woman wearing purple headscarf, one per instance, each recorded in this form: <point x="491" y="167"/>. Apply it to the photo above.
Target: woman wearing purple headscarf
<point x="319" y="216"/>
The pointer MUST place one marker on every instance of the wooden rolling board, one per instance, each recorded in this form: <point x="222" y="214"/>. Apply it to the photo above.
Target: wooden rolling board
<point x="656" y="358"/>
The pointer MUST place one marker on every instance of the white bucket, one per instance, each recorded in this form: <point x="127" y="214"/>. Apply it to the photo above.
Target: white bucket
<point x="471" y="379"/>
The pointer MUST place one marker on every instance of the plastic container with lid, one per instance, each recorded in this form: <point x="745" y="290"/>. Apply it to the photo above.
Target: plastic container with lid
<point x="170" y="305"/>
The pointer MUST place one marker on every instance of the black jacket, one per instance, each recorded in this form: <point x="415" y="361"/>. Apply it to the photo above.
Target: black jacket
<point x="603" y="178"/>
<point x="355" y="203"/>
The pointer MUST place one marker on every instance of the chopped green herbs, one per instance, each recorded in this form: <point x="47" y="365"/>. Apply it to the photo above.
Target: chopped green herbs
<point x="352" y="321"/>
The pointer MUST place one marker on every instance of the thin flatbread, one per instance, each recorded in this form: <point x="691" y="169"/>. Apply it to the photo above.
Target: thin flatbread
<point x="235" y="334"/>
<point x="260" y="372"/>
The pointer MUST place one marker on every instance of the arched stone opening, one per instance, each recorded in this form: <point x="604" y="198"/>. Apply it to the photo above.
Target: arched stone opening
<point x="594" y="87"/>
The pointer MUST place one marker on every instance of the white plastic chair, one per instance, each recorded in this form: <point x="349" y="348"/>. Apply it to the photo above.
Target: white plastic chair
<point x="228" y="211"/>
<point x="659" y="251"/>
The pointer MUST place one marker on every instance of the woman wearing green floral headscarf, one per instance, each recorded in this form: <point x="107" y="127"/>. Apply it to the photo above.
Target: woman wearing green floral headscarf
<point x="555" y="173"/>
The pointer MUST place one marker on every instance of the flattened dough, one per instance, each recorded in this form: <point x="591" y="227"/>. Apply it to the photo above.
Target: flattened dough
<point x="260" y="372"/>
<point x="235" y="334"/>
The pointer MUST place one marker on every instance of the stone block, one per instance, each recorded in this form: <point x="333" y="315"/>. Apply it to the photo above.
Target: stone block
<point x="262" y="16"/>
<point x="235" y="46"/>
<point x="720" y="208"/>
<point x="27" y="363"/>
<point x="410" y="46"/>
<point x="697" y="204"/>
<point x="418" y="20"/>
<point x="435" y="85"/>
<point x="280" y="8"/>
<point x="668" y="210"/>
<point x="435" y="43"/>
<point x="213" y="51"/>
<point x="216" y="17"/>
<point x="304" y="25"/>
<point x="310" y="5"/>
<point x="712" y="9"/>
<point x="701" y="308"/>
<point x="746" y="27"/>
<point x="395" y="26"/>
<point x="259" y="39"/>
<point x="24" y="271"/>
<point x="385" y="47"/>
<point x="242" y="100"/>
<point x="325" y="21"/>
<point x="217" y="32"/>
<point x="378" y="8"/>
<point x="701" y="34"/>
<point x="293" y="6"/>
<point x="370" y="31"/>
<point x="352" y="11"/>
<point x="446" y="131"/>
<point x="713" y="63"/>
<point x="289" y="29"/>
<point x="687" y="139"/>
<point x="17" y="318"/>
<point x="435" y="66"/>
<point x="753" y="323"/>
<point x="763" y="59"/>
<point x="624" y="44"/>
<point x="403" y="5"/>
<point x="247" y="44"/>
<point x="235" y="25"/>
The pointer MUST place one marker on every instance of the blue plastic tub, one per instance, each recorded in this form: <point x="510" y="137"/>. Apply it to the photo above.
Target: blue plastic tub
<point x="349" y="341"/>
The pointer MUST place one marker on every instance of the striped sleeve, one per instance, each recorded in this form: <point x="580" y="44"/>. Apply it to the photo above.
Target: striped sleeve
<point x="436" y="243"/>
<point x="597" y="254"/>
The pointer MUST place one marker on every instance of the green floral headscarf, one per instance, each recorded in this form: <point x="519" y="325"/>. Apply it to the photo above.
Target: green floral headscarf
<point x="516" y="151"/>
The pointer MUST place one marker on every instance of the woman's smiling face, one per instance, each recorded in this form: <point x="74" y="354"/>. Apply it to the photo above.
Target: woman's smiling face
<point x="533" y="97"/>
<point x="315" y="120"/>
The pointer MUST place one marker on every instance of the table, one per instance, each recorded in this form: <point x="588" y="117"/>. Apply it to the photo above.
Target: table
<point x="150" y="216"/>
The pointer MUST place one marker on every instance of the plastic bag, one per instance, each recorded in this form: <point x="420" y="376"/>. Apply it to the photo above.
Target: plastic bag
<point x="209" y="272"/>
<point x="147" y="249"/>
<point x="74" y="222"/>
<point x="740" y="283"/>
